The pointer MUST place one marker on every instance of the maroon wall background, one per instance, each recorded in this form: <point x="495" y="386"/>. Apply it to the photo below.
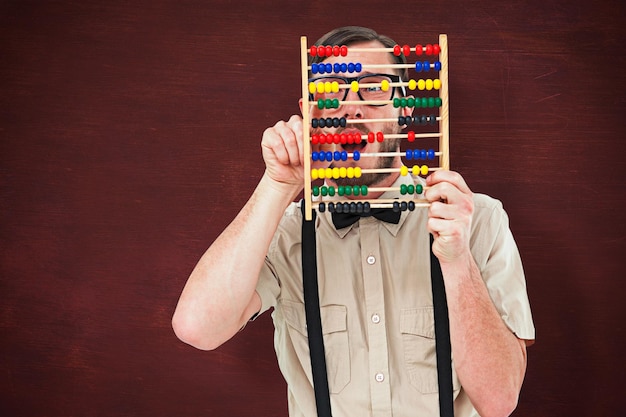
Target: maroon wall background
<point x="129" y="137"/>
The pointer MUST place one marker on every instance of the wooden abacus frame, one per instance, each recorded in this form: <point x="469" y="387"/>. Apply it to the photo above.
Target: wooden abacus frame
<point x="443" y="118"/>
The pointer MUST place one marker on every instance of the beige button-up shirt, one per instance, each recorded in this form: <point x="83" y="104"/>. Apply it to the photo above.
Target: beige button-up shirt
<point x="377" y="308"/>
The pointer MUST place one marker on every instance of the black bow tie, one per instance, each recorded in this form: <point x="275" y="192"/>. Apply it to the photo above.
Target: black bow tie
<point x="341" y="220"/>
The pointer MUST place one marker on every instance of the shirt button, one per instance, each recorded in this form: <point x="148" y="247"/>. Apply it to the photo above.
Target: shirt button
<point x="371" y="260"/>
<point x="380" y="377"/>
<point x="375" y="319"/>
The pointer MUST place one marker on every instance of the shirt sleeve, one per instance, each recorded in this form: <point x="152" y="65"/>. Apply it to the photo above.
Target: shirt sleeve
<point x="498" y="258"/>
<point x="267" y="287"/>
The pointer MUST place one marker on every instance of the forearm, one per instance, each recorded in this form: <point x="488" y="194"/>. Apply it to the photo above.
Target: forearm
<point x="489" y="359"/>
<point x="222" y="285"/>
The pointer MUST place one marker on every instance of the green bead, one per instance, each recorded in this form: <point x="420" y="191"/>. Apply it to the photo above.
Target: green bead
<point x="364" y="190"/>
<point x="438" y="101"/>
<point x="396" y="102"/>
<point x="316" y="190"/>
<point x="431" y="102"/>
<point x="419" y="189"/>
<point x="424" y="102"/>
<point x="410" y="189"/>
<point x="324" y="191"/>
<point x="331" y="191"/>
<point x="403" y="102"/>
<point x="356" y="190"/>
<point x="335" y="103"/>
<point x="403" y="189"/>
<point x="341" y="190"/>
<point x="347" y="190"/>
<point x="320" y="103"/>
<point x="410" y="102"/>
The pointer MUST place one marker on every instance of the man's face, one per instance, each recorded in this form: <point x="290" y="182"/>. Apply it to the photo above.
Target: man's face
<point x="361" y="110"/>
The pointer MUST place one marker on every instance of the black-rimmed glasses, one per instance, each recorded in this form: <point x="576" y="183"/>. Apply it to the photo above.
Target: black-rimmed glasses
<point x="369" y="87"/>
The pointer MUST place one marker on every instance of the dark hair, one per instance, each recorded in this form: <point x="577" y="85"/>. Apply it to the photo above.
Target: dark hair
<point x="348" y="35"/>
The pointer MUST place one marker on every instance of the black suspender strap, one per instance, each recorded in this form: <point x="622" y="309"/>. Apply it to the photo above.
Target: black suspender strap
<point x="313" y="317"/>
<point x="442" y="337"/>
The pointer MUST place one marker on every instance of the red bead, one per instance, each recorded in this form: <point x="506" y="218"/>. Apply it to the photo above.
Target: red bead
<point x="329" y="50"/>
<point x="370" y="137"/>
<point x="379" y="136"/>
<point x="396" y="50"/>
<point x="436" y="49"/>
<point x="406" y="49"/>
<point x="336" y="138"/>
<point x="411" y="136"/>
<point x="344" y="50"/>
<point x="313" y="50"/>
<point x="321" y="51"/>
<point x="429" y="49"/>
<point x="344" y="138"/>
<point x="336" y="50"/>
<point x="357" y="138"/>
<point x="315" y="139"/>
<point x="419" y="49"/>
<point x="350" y="138"/>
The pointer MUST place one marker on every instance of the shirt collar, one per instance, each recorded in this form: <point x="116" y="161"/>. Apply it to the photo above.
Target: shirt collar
<point x="391" y="194"/>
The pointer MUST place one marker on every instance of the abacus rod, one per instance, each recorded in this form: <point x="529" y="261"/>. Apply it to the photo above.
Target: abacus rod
<point x="355" y="121"/>
<point x="405" y="136"/>
<point x="308" y="212"/>
<point x="375" y="154"/>
<point x="388" y="170"/>
<point x="379" y="203"/>
<point x="432" y="65"/>
<point x="391" y="84"/>
<point x="384" y="50"/>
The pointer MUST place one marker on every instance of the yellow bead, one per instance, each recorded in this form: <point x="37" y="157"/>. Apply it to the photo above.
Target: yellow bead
<point x="357" y="172"/>
<point x="354" y="86"/>
<point x="342" y="172"/>
<point x="350" y="172"/>
<point x="404" y="170"/>
<point x="314" y="174"/>
<point x="312" y="88"/>
<point x="320" y="88"/>
<point x="415" y="170"/>
<point x="328" y="87"/>
<point x="424" y="170"/>
<point x="335" y="172"/>
<point x="384" y="85"/>
<point x="412" y="84"/>
<point x="421" y="84"/>
<point x="321" y="173"/>
<point x="328" y="172"/>
<point x="429" y="84"/>
<point x="437" y="84"/>
<point x="335" y="87"/>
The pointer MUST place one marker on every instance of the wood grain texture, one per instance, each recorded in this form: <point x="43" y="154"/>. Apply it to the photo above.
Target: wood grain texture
<point x="121" y="124"/>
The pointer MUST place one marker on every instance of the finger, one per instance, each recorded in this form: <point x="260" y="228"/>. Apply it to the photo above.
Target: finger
<point x="287" y="143"/>
<point x="451" y="177"/>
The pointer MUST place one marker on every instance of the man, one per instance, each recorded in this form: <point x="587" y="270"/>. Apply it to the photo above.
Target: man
<point x="374" y="279"/>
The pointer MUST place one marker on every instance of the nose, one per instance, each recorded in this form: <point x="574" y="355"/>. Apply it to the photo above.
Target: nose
<point x="353" y="111"/>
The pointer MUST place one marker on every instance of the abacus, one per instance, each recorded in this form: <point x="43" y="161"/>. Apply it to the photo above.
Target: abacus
<point x="435" y="100"/>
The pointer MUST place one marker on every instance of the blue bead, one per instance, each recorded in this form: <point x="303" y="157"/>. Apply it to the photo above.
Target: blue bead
<point x="344" y="67"/>
<point x="426" y="66"/>
<point x="409" y="154"/>
<point x="314" y="68"/>
<point x="329" y="156"/>
<point x="344" y="155"/>
<point x="315" y="156"/>
<point x="418" y="66"/>
<point x="350" y="67"/>
<point x="431" y="154"/>
<point x="356" y="155"/>
<point x="337" y="67"/>
<point x="423" y="154"/>
<point x="416" y="154"/>
<point x="437" y="66"/>
<point x="329" y="68"/>
<point x="337" y="156"/>
<point x="358" y="67"/>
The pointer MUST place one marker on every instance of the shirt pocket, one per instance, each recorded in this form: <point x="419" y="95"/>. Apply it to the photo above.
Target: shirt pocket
<point x="417" y="327"/>
<point x="336" y="343"/>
